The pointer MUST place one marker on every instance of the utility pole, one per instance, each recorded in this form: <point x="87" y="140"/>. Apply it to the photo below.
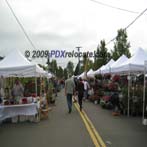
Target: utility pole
<point x="48" y="62"/>
<point x="78" y="48"/>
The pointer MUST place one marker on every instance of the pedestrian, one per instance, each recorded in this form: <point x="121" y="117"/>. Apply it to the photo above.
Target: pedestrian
<point x="80" y="90"/>
<point x="86" y="88"/>
<point x="75" y="93"/>
<point x="69" y="91"/>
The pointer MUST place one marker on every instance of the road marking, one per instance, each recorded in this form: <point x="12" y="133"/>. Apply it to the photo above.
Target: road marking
<point x="97" y="140"/>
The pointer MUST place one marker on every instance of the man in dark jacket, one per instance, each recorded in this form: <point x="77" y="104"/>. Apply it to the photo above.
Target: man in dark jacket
<point x="80" y="90"/>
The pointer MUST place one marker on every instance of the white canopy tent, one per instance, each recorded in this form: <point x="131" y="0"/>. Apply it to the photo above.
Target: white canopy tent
<point x="134" y="64"/>
<point x="121" y="60"/>
<point x="82" y="75"/>
<point x="106" y="68"/>
<point x="49" y="75"/>
<point x="90" y="73"/>
<point x="16" y="65"/>
<point x="98" y="71"/>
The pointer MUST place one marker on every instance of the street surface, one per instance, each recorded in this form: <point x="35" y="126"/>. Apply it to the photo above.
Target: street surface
<point x="68" y="130"/>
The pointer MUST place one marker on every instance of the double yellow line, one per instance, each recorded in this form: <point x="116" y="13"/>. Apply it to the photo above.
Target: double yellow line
<point x="97" y="140"/>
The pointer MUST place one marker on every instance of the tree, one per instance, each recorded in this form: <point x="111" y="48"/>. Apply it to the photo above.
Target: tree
<point x="77" y="72"/>
<point x="53" y="66"/>
<point x="121" y="45"/>
<point x="102" y="55"/>
<point x="85" y="61"/>
<point x="42" y="66"/>
<point x="65" y="73"/>
<point x="60" y="72"/>
<point x="70" y="67"/>
<point x="89" y="64"/>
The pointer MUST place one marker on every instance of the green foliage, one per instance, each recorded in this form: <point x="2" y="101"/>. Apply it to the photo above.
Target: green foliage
<point x="53" y="66"/>
<point x="99" y="77"/>
<point x="121" y="45"/>
<point x="77" y="70"/>
<point x="65" y="73"/>
<point x="42" y="66"/>
<point x="89" y="64"/>
<point x="102" y="55"/>
<point x="60" y="72"/>
<point x="70" y="67"/>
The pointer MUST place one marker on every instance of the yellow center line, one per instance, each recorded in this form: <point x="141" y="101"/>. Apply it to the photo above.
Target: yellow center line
<point x="97" y="140"/>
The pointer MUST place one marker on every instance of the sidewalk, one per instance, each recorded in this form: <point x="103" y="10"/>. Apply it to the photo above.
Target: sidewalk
<point x="117" y="131"/>
<point x="60" y="130"/>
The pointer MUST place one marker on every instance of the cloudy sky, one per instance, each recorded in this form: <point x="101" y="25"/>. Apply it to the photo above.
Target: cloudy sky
<point x="65" y="24"/>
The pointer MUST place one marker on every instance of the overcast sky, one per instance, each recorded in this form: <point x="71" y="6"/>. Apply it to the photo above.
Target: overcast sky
<point x="65" y="24"/>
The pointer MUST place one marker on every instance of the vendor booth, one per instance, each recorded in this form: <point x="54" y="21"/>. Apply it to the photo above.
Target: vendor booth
<point x="15" y="103"/>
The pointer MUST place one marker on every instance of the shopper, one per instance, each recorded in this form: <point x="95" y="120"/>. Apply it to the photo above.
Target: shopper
<point x="80" y="90"/>
<point x="69" y="91"/>
<point x="86" y="88"/>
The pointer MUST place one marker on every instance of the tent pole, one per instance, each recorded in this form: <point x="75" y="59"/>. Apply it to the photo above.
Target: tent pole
<point x="36" y="85"/>
<point x="144" y="92"/>
<point x="110" y="70"/>
<point x="129" y="80"/>
<point x="143" y="97"/>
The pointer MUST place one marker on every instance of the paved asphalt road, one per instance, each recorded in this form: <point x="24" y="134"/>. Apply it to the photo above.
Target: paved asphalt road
<point x="60" y="130"/>
<point x="67" y="130"/>
<point x="117" y="131"/>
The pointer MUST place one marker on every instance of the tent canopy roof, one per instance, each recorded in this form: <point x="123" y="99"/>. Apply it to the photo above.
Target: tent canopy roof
<point x="134" y="64"/>
<point x="15" y="64"/>
<point x="120" y="61"/>
<point x="14" y="59"/>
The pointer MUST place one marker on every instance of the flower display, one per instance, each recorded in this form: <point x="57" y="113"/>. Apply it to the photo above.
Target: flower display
<point x="107" y="76"/>
<point x="116" y="78"/>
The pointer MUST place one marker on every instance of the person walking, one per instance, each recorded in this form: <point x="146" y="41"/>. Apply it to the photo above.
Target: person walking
<point x="69" y="91"/>
<point x="80" y="90"/>
<point x="86" y="88"/>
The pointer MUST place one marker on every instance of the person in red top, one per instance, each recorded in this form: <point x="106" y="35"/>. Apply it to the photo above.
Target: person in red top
<point x="80" y="90"/>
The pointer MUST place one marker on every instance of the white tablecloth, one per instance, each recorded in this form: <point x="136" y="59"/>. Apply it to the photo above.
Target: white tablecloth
<point x="9" y="111"/>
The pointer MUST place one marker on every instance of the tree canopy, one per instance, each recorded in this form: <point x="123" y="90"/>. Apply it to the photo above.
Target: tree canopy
<point x="121" y="45"/>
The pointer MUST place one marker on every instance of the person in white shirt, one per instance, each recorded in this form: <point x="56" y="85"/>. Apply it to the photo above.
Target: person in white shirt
<point x="86" y="88"/>
<point x="18" y="90"/>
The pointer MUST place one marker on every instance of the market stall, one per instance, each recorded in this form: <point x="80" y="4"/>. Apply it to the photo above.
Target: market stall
<point x="17" y="104"/>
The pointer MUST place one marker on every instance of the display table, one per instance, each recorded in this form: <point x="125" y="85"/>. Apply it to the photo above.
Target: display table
<point x="11" y="111"/>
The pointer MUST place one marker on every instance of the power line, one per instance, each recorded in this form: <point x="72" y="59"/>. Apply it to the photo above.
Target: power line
<point x="130" y="24"/>
<point x="21" y="26"/>
<point x="110" y="6"/>
<point x="136" y="18"/>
